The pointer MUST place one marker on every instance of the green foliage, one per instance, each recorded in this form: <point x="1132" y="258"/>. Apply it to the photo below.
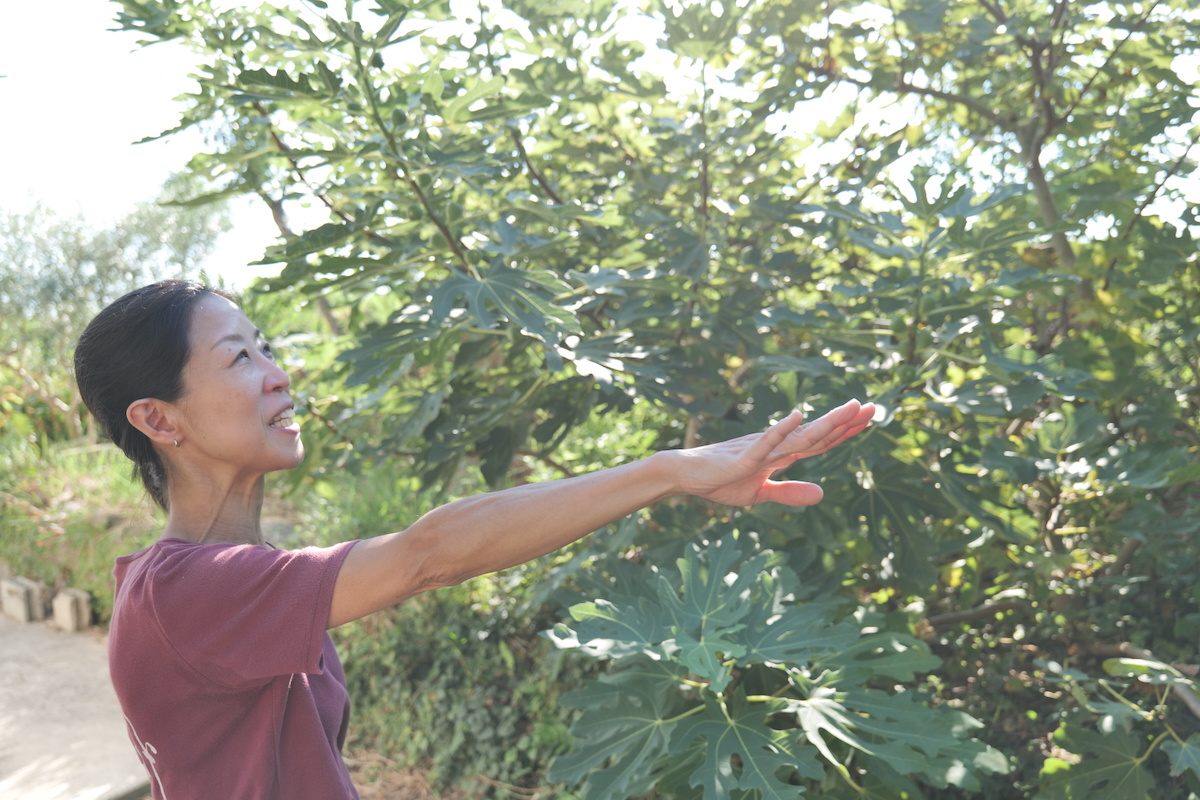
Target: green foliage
<point x="67" y="506"/>
<point x="455" y="681"/>
<point x="1184" y="755"/>
<point x="1114" y="773"/>
<point x="687" y="648"/>
<point x="67" y="512"/>
<point x="56" y="273"/>
<point x="533" y="241"/>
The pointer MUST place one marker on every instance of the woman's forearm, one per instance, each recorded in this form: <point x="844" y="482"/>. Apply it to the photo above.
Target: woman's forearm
<point x="490" y="532"/>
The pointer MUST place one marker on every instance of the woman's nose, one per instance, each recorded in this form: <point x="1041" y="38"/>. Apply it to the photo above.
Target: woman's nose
<point x="277" y="379"/>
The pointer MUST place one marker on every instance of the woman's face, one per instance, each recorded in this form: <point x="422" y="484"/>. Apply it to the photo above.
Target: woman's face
<point x="236" y="407"/>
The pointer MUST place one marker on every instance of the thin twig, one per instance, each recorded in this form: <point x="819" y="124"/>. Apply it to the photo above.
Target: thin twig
<point x="1154" y="194"/>
<point x="533" y="170"/>
<point x="280" y="216"/>
<point x="287" y="153"/>
<point x="1146" y="203"/>
<point x="518" y="790"/>
<point x="1127" y="650"/>
<point x="328" y="423"/>
<point x="565" y="470"/>
<point x="978" y="612"/>
<point x="404" y="175"/>
<point x="902" y="86"/>
<point x="1132" y="30"/>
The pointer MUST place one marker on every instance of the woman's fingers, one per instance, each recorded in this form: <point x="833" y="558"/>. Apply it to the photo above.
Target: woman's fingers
<point x="772" y="437"/>
<point x="791" y="493"/>
<point x="839" y="435"/>
<point x="739" y="469"/>
<point x="783" y="459"/>
<point x="818" y="428"/>
<point x="827" y="432"/>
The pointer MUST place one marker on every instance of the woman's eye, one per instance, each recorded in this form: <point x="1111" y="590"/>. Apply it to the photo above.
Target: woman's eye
<point x="245" y="353"/>
<point x="268" y="352"/>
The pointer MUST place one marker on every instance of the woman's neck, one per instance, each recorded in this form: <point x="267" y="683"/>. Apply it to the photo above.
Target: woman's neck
<point x="210" y="514"/>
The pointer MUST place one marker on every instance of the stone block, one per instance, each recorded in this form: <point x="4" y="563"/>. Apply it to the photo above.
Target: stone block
<point x="72" y="610"/>
<point x="39" y="598"/>
<point x="16" y="600"/>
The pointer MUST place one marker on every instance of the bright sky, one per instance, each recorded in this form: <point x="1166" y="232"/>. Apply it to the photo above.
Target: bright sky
<point x="75" y="97"/>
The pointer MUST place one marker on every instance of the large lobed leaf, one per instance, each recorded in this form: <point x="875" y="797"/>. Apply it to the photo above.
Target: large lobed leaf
<point x="1111" y="769"/>
<point x="737" y="729"/>
<point x="522" y="297"/>
<point x="720" y="610"/>
<point x="626" y="723"/>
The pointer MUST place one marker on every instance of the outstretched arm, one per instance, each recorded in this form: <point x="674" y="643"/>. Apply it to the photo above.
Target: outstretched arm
<point x="490" y="532"/>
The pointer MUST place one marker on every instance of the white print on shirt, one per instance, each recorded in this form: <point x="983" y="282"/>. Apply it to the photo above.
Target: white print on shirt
<point x="147" y="752"/>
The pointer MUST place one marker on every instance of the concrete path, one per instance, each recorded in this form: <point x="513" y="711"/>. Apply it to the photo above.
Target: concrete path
<point x="62" y="734"/>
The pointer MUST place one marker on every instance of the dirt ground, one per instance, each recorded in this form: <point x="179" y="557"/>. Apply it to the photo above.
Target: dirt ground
<point x="378" y="778"/>
<point x="62" y="735"/>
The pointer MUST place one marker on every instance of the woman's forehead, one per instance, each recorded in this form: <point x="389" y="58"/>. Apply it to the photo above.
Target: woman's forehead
<point x="215" y="318"/>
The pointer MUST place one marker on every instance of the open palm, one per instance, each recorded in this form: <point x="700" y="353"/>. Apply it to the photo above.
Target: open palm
<point x="738" y="472"/>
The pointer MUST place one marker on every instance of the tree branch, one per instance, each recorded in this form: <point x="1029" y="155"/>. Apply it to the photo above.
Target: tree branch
<point x="1123" y="556"/>
<point x="691" y="436"/>
<point x="280" y="216"/>
<point x="1087" y="86"/>
<point x="533" y="170"/>
<point x="996" y="11"/>
<point x="565" y="470"/>
<point x="324" y="198"/>
<point x="1127" y="650"/>
<point x="902" y="86"/>
<point x="404" y="175"/>
<point x="35" y="388"/>
<point x="1050" y="120"/>
<point x="1046" y="204"/>
<point x="978" y="612"/>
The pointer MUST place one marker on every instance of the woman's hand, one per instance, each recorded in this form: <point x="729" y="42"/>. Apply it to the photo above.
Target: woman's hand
<point x="738" y="472"/>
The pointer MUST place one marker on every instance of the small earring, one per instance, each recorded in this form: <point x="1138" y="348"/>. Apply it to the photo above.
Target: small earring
<point x="177" y="443"/>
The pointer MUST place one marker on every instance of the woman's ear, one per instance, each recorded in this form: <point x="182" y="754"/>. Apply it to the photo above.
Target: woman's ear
<point x="149" y="415"/>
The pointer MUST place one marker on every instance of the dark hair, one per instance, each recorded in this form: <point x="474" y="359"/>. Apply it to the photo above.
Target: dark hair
<point x="137" y="347"/>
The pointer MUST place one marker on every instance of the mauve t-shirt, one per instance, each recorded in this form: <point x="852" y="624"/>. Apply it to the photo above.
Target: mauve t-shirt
<point x="229" y="682"/>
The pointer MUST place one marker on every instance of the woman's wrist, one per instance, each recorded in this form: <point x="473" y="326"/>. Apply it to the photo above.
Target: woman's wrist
<point x="666" y="472"/>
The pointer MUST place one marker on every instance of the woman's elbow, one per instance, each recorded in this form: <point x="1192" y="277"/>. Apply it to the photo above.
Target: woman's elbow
<point x="435" y="563"/>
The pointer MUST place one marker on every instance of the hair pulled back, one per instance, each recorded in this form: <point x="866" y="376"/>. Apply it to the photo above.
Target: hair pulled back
<point x="135" y="348"/>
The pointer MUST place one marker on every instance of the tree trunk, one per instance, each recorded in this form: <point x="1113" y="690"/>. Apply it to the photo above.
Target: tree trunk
<point x="1050" y="214"/>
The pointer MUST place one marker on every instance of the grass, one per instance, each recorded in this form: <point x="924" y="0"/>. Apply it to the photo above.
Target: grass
<point x="66" y="516"/>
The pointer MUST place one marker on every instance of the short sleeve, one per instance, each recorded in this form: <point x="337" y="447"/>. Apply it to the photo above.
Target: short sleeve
<point x="241" y="615"/>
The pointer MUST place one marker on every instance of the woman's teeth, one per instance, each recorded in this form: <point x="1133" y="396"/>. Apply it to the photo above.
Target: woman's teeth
<point x="283" y="420"/>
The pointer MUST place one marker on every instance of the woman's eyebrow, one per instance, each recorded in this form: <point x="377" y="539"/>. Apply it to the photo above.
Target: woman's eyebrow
<point x="236" y="337"/>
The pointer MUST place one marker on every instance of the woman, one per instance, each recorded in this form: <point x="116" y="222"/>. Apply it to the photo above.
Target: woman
<point x="218" y="646"/>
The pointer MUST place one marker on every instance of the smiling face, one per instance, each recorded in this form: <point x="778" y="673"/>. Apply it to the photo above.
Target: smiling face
<point x="236" y="409"/>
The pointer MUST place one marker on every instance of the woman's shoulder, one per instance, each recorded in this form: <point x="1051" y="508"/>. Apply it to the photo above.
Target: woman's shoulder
<point x="179" y="561"/>
<point x="169" y="560"/>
